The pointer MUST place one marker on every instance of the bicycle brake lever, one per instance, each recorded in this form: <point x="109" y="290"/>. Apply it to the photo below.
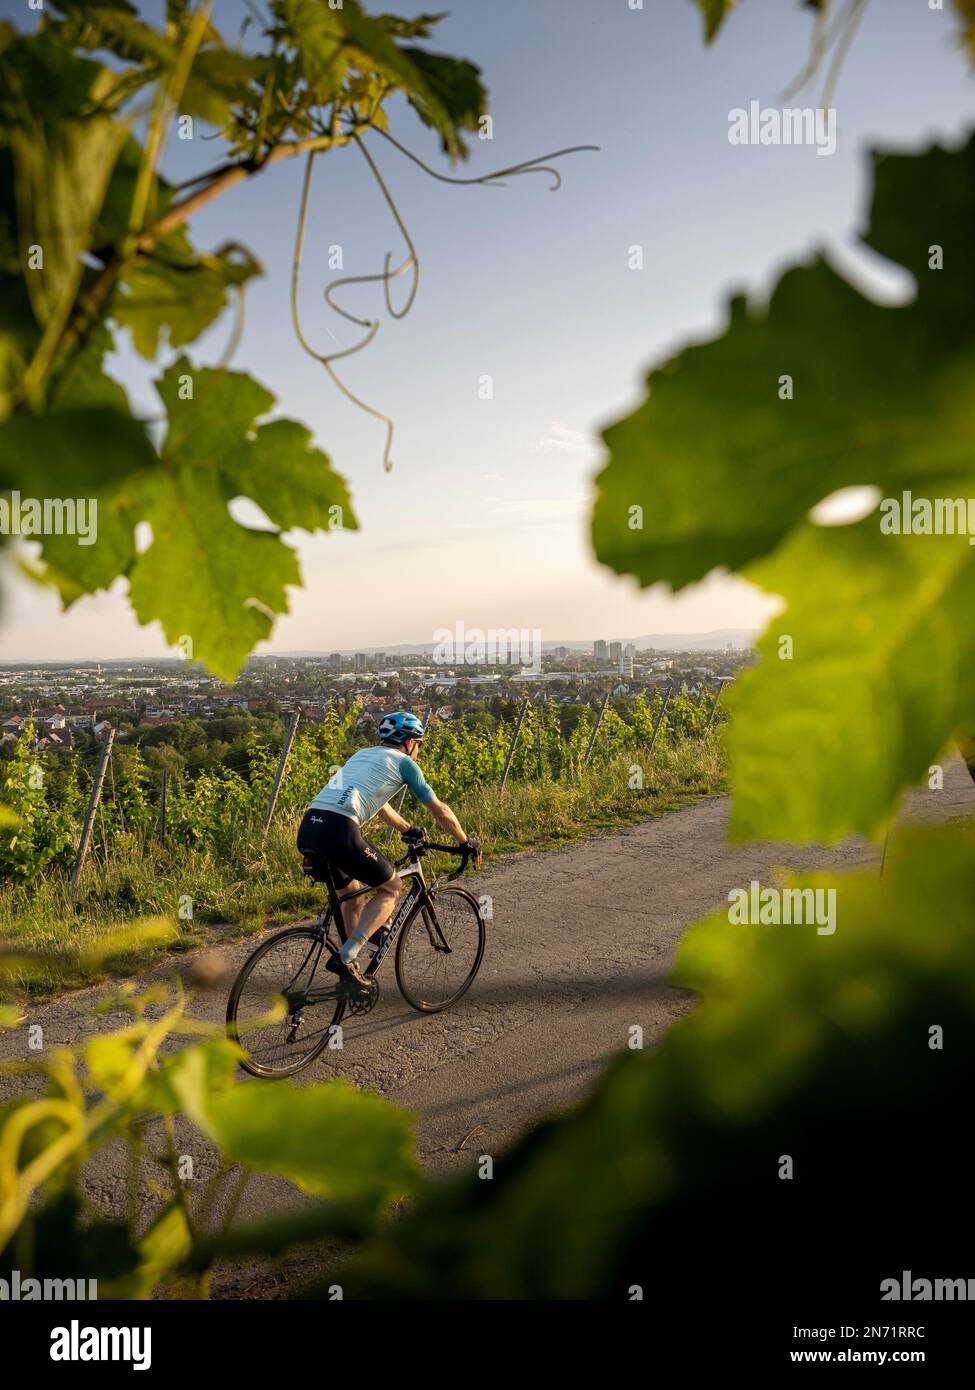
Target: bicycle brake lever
<point x="462" y="866"/>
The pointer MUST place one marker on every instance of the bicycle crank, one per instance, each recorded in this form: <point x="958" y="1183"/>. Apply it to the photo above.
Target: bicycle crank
<point x="363" y="999"/>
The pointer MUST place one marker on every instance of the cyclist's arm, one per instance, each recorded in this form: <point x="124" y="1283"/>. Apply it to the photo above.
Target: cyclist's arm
<point x="426" y="796"/>
<point x="390" y="817"/>
<point x="446" y="819"/>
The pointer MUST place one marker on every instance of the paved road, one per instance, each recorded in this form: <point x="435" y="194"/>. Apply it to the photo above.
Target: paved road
<point x="578" y="951"/>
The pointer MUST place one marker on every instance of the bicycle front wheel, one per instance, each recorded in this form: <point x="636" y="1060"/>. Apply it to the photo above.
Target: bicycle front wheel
<point x="284" y="1005"/>
<point x="440" y="950"/>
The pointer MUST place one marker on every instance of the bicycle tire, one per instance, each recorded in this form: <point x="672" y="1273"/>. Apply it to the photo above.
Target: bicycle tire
<point x="296" y="936"/>
<point x="454" y="895"/>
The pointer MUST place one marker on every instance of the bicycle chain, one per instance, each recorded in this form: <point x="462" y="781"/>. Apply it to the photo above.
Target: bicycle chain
<point x="363" y="1001"/>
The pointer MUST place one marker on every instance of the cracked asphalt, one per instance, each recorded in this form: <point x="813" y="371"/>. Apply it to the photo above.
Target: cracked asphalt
<point x="579" y="946"/>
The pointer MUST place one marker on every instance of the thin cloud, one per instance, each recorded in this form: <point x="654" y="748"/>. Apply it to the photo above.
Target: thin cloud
<point x="568" y="441"/>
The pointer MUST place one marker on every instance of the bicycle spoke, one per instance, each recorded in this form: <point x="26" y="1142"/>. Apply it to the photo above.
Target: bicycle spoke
<point x="440" y="951"/>
<point x="284" y="1005"/>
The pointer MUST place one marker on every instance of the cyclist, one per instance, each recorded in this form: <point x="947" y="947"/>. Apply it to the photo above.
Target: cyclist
<point x="331" y="829"/>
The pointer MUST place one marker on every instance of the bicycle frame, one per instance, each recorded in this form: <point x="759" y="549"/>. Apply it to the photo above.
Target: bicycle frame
<point x="416" y="899"/>
<point x="414" y="893"/>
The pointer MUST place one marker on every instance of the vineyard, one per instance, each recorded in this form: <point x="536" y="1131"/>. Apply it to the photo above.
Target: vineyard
<point x="209" y="858"/>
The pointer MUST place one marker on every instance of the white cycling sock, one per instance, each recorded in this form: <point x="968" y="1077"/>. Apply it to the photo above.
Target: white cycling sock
<point x="353" y="946"/>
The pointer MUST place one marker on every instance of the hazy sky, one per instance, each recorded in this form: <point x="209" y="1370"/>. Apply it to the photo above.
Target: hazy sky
<point x="485" y="516"/>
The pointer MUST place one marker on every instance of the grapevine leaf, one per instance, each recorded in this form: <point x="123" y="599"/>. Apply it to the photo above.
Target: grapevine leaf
<point x="458" y="89"/>
<point x="419" y="27"/>
<point x="723" y="468"/>
<point x="18" y="335"/>
<point x="66" y="453"/>
<point x="715" y="13"/>
<point x="62" y="164"/>
<point x="806" y="765"/>
<point x="84" y="382"/>
<point x="113" y="219"/>
<point x="966" y="14"/>
<point x="72" y="469"/>
<point x="218" y="79"/>
<point x="205" y="575"/>
<point x="283" y="474"/>
<point x="189" y="1080"/>
<point x="725" y="473"/>
<point x="331" y="1139"/>
<point x="84" y="452"/>
<point x="162" y="1249"/>
<point x="445" y="91"/>
<point x="112" y="26"/>
<point x="317" y="32"/>
<point x="177" y="293"/>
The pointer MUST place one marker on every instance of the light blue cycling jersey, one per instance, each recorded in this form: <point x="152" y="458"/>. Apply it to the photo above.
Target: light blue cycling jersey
<point x="368" y="780"/>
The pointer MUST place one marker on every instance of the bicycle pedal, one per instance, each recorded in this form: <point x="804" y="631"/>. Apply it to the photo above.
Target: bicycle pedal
<point x="362" y="999"/>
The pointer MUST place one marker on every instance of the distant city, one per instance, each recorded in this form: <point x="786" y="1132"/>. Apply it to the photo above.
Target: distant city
<point x="74" y="701"/>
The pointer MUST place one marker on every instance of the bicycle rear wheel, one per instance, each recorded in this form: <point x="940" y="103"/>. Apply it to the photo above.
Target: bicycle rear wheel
<point x="284" y="1006"/>
<point x="440" y="950"/>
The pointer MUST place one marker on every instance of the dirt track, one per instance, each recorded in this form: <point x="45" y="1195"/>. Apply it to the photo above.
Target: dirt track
<point x="578" y="950"/>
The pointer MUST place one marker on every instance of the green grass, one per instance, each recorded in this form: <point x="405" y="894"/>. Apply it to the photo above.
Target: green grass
<point x="261" y="883"/>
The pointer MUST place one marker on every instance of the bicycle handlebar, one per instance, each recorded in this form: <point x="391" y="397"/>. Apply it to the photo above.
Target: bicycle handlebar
<point x="420" y="847"/>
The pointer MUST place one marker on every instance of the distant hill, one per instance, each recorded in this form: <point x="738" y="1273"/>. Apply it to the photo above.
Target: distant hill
<point x="659" y="641"/>
<point x="698" y="641"/>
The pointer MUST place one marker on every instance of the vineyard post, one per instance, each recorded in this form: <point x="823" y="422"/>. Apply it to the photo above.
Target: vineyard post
<point x="282" y="764"/>
<point x="514" y="740"/>
<point x="711" y="715"/>
<point x="162" y="809"/>
<point x="115" y="801"/>
<point x="592" y="737"/>
<point x="660" y="719"/>
<point x="96" y="792"/>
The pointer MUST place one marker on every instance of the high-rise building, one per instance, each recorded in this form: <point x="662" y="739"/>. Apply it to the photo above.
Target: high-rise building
<point x="626" y="667"/>
<point x="599" y="650"/>
<point x="335" y="661"/>
<point x="615" y="651"/>
<point x="630" y="651"/>
<point x="359" y="661"/>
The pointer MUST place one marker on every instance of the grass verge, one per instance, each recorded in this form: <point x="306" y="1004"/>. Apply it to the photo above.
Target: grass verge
<point x="207" y="897"/>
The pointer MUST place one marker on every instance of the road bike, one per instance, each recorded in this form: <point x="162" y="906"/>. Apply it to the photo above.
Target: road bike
<point x="285" y="1007"/>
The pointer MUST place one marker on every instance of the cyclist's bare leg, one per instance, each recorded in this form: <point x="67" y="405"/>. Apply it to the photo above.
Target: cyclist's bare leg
<point x="352" y="910"/>
<point x="380" y="908"/>
<point x="378" y="911"/>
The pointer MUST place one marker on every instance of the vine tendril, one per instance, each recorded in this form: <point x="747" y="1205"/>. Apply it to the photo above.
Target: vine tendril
<point x="528" y="166"/>
<point x="326" y="359"/>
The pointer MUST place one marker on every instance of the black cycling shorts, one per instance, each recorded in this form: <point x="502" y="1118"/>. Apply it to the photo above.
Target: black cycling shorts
<point x="337" y="841"/>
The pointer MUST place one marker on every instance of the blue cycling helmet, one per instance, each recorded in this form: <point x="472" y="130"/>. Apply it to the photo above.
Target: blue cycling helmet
<point x="398" y="727"/>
